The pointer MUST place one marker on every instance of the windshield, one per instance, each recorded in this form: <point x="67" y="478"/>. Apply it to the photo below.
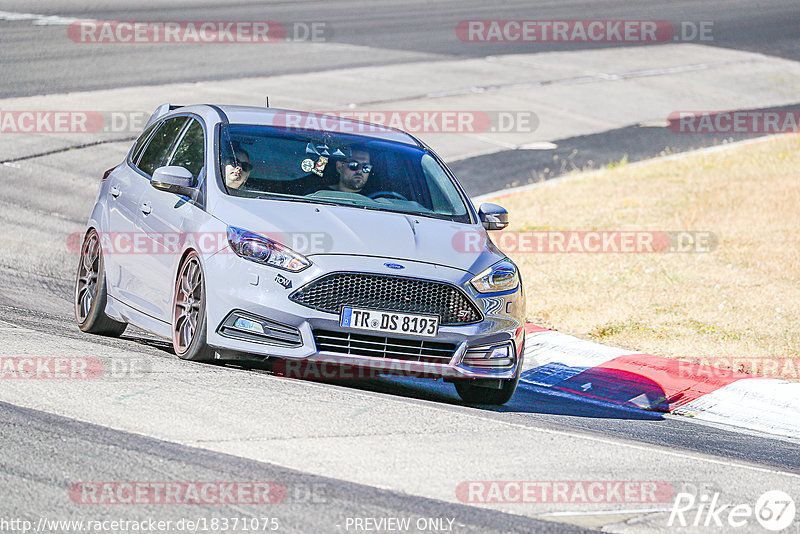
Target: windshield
<point x="336" y="168"/>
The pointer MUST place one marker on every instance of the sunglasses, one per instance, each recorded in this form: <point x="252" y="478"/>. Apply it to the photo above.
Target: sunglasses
<point x="244" y="165"/>
<point x="354" y="165"/>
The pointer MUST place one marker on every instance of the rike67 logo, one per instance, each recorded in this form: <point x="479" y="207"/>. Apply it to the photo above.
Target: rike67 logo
<point x="774" y="510"/>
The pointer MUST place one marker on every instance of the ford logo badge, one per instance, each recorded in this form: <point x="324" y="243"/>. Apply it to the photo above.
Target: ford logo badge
<point x="394" y="266"/>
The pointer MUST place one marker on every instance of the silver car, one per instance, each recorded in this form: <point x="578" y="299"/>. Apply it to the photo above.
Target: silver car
<point x="260" y="233"/>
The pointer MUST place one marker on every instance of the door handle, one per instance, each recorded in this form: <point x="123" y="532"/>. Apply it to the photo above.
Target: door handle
<point x="115" y="191"/>
<point x="145" y="208"/>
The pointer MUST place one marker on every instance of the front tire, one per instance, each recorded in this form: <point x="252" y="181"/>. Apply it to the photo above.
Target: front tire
<point x="189" y="312"/>
<point x="90" y="291"/>
<point x="472" y="393"/>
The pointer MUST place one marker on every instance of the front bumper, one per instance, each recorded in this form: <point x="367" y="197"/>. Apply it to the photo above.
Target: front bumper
<point x="236" y="285"/>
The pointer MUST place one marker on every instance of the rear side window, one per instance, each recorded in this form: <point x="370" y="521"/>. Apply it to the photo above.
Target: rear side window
<point x="160" y="146"/>
<point x="190" y="152"/>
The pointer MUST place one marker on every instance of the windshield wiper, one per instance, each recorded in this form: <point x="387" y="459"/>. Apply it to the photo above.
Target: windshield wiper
<point x="278" y="196"/>
<point x="352" y="204"/>
<point x="431" y="214"/>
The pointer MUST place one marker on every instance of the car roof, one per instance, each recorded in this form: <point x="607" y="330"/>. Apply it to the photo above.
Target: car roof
<point x="318" y="121"/>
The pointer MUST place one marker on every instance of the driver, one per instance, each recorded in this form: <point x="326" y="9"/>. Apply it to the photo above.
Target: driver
<point x="237" y="169"/>
<point x="354" y="171"/>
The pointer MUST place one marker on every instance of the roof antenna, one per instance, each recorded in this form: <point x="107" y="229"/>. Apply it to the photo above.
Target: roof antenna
<point x="266" y="104"/>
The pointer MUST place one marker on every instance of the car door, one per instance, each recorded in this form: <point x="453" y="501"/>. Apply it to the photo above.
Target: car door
<point x="142" y="257"/>
<point x="124" y="189"/>
<point x="165" y="219"/>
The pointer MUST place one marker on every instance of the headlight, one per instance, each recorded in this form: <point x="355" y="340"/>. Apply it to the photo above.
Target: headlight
<point x="501" y="276"/>
<point x="262" y="250"/>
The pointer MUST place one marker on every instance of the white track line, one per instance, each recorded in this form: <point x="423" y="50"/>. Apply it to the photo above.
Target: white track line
<point x="38" y="20"/>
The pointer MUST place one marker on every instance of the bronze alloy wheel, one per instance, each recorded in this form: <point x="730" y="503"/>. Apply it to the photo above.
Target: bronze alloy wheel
<point x="88" y="273"/>
<point x="90" y="291"/>
<point x="189" y="314"/>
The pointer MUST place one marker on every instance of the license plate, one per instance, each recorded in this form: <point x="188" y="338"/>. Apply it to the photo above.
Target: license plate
<point x="381" y="321"/>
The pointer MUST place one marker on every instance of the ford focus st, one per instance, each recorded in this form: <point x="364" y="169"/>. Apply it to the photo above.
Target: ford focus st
<point x="270" y="234"/>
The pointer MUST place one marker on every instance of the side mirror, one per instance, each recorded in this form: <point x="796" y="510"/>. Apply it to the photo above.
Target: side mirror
<point x="493" y="217"/>
<point x="174" y="179"/>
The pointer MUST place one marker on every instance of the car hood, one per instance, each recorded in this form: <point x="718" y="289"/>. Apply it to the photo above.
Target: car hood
<point x="314" y="229"/>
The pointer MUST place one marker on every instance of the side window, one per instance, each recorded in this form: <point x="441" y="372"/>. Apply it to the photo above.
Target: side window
<point x="445" y="199"/>
<point x="137" y="148"/>
<point x="160" y="145"/>
<point x="190" y="152"/>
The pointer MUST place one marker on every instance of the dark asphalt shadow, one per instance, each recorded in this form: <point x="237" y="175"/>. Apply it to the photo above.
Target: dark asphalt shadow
<point x="526" y="400"/>
<point x="562" y="411"/>
<point x="141" y="338"/>
<point x="530" y="399"/>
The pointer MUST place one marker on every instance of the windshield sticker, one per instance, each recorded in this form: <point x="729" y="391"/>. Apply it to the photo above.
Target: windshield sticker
<point x="319" y="168"/>
<point x="319" y="149"/>
<point x="307" y="164"/>
<point x="324" y="150"/>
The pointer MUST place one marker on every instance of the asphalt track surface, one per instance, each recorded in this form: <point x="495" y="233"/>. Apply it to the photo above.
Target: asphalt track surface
<point x="36" y="62"/>
<point x="540" y="435"/>
<point x="312" y="504"/>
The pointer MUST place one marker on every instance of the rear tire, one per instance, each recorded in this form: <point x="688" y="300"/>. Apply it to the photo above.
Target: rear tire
<point x="189" y="312"/>
<point x="472" y="393"/>
<point x="90" y="291"/>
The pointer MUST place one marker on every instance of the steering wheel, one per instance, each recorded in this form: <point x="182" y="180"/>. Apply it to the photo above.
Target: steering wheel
<point x="387" y="194"/>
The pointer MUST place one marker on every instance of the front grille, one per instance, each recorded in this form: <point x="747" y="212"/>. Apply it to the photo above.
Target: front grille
<point x="389" y="293"/>
<point x="384" y="347"/>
